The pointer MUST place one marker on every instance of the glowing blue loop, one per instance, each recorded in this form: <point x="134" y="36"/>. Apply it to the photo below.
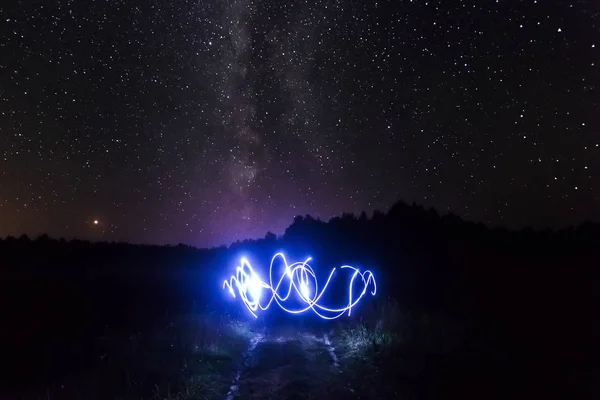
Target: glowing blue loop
<point x="301" y="277"/>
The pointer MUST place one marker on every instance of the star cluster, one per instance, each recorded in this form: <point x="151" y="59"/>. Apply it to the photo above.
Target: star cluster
<point x="205" y="122"/>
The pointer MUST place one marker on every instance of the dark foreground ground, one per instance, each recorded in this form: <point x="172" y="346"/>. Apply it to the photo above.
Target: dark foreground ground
<point x="98" y="337"/>
<point x="150" y="334"/>
<point x="287" y="363"/>
<point x="388" y="352"/>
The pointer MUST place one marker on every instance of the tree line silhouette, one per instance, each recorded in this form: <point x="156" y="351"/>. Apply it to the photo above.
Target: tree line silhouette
<point x="420" y="256"/>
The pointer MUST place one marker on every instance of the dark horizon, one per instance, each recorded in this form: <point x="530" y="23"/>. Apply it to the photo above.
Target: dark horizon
<point x="419" y="207"/>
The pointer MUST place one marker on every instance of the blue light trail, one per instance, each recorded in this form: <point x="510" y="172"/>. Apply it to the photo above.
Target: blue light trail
<point x="300" y="277"/>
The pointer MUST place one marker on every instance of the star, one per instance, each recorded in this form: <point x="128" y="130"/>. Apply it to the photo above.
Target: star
<point x="209" y="124"/>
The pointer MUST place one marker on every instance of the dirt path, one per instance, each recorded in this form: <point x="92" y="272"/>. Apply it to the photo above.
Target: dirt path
<point x="291" y="365"/>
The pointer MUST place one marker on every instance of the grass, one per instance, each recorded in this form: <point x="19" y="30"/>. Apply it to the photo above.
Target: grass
<point x="391" y="352"/>
<point x="190" y="357"/>
<point x="387" y="351"/>
<point x="376" y="332"/>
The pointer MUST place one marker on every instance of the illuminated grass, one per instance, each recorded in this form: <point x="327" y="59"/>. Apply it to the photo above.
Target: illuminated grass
<point x="360" y="340"/>
<point x="379" y="330"/>
<point x="386" y="350"/>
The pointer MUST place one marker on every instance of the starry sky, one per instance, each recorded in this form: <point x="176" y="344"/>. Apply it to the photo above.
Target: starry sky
<point x="205" y="122"/>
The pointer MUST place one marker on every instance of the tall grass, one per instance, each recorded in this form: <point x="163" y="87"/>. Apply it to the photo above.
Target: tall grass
<point x="386" y="325"/>
<point x="384" y="349"/>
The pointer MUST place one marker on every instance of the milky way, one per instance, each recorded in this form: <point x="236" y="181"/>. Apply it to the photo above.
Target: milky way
<point x="207" y="122"/>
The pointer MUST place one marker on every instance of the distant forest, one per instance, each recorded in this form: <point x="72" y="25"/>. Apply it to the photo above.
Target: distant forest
<point x="419" y="257"/>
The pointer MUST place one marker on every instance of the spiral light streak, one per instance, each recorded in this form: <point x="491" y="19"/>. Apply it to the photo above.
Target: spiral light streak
<point x="298" y="276"/>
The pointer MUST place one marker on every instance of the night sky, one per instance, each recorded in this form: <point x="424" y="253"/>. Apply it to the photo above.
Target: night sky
<point x="205" y="122"/>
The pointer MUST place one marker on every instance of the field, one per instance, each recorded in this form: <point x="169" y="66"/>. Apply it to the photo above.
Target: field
<point x="385" y="351"/>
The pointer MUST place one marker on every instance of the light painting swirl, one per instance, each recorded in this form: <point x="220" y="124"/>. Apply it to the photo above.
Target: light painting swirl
<point x="300" y="277"/>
